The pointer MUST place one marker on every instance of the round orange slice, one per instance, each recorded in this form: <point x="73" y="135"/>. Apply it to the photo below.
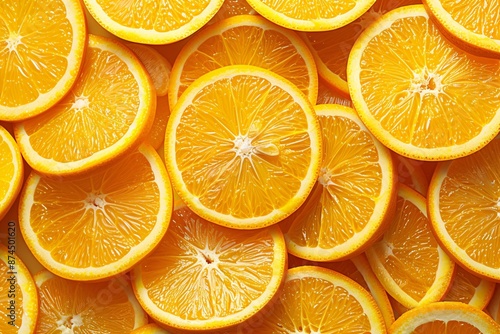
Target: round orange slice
<point x="42" y="44"/>
<point x="105" y="222"/>
<point x="305" y="15"/>
<point x="319" y="300"/>
<point x="408" y="260"/>
<point x="415" y="93"/>
<point x="153" y="22"/>
<point x="473" y="26"/>
<point x="19" y="298"/>
<point x="204" y="276"/>
<point x="11" y="171"/>
<point x="243" y="147"/>
<point x="464" y="197"/>
<point x="245" y="40"/>
<point x="444" y="317"/>
<point x="107" y="112"/>
<point x="353" y="198"/>
<point x="68" y="306"/>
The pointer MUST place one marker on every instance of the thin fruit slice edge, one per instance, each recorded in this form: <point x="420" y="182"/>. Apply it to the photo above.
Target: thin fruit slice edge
<point x="11" y="171"/>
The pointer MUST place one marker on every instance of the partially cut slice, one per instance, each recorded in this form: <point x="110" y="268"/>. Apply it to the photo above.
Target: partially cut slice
<point x="107" y="112"/>
<point x="232" y="8"/>
<point x="204" y="276"/>
<point x="149" y="329"/>
<point x="444" y="317"/>
<point x="104" y="222"/>
<point x="411" y="173"/>
<point x="494" y="305"/>
<point x="329" y="95"/>
<point x="153" y="22"/>
<point x="68" y="306"/>
<point x="11" y="171"/>
<point x="243" y="147"/>
<point x="42" y="44"/>
<point x="473" y="26"/>
<point x="415" y="93"/>
<point x="320" y="300"/>
<point x="305" y="15"/>
<point x="464" y="197"/>
<point x="354" y="196"/>
<point x="156" y="135"/>
<point x="245" y="40"/>
<point x="19" y="298"/>
<point x="408" y="260"/>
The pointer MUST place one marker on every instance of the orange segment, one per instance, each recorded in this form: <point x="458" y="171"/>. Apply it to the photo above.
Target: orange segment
<point x="470" y="289"/>
<point x="105" y="222"/>
<point x="11" y="171"/>
<point x="464" y="197"/>
<point x="19" y="299"/>
<point x="411" y="173"/>
<point x="215" y="276"/>
<point x="472" y="26"/>
<point x="331" y="48"/>
<point x="246" y="159"/>
<point x="319" y="300"/>
<point x="415" y="92"/>
<point x="305" y="15"/>
<point x="328" y="95"/>
<point x="444" y="317"/>
<point x="153" y="22"/>
<point x="245" y="40"/>
<point x="41" y="49"/>
<point x="107" y="112"/>
<point x="81" y="307"/>
<point x="357" y="269"/>
<point x="354" y="194"/>
<point x="408" y="260"/>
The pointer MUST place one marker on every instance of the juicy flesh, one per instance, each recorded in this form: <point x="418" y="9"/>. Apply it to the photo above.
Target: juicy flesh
<point x="423" y="89"/>
<point x="157" y="15"/>
<point x="7" y="168"/>
<point x="479" y="16"/>
<point x="469" y="204"/>
<point x="85" y="308"/>
<point x="350" y="181"/>
<point x="96" y="221"/>
<point x="252" y="144"/>
<point x="446" y="327"/>
<point x="329" y="96"/>
<point x="95" y="114"/>
<point x="314" y="305"/>
<point x="409" y="251"/>
<point x="463" y="287"/>
<point x="32" y="50"/>
<point x="247" y="45"/>
<point x="307" y="10"/>
<point x="201" y="270"/>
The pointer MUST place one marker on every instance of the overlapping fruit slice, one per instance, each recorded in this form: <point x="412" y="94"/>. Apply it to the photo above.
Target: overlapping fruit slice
<point x="415" y="92"/>
<point x="243" y="147"/>
<point x="11" y="171"/>
<point x="105" y="222"/>
<point x="329" y="95"/>
<point x="353" y="198"/>
<point x="470" y="289"/>
<point x="42" y="44"/>
<point x="411" y="173"/>
<point x="204" y="276"/>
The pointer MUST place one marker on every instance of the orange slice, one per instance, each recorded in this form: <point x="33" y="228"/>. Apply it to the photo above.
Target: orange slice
<point x="157" y="133"/>
<point x="319" y="300"/>
<point x="473" y="26"/>
<point x="19" y="299"/>
<point x="232" y="8"/>
<point x="105" y="222"/>
<point x="107" y="112"/>
<point x="357" y="269"/>
<point x="244" y="159"/>
<point x="331" y="48"/>
<point x="82" y="307"/>
<point x="311" y="16"/>
<point x="153" y="22"/>
<point x="445" y="317"/>
<point x="11" y="171"/>
<point x="494" y="305"/>
<point x="464" y="209"/>
<point x="408" y="260"/>
<point x="470" y="289"/>
<point x="149" y="329"/>
<point x="245" y="40"/>
<point x="353" y="198"/>
<point x="328" y="95"/>
<point x="157" y="66"/>
<point x="215" y="276"/>
<point x="411" y="173"/>
<point x="416" y="101"/>
<point x="41" y="49"/>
